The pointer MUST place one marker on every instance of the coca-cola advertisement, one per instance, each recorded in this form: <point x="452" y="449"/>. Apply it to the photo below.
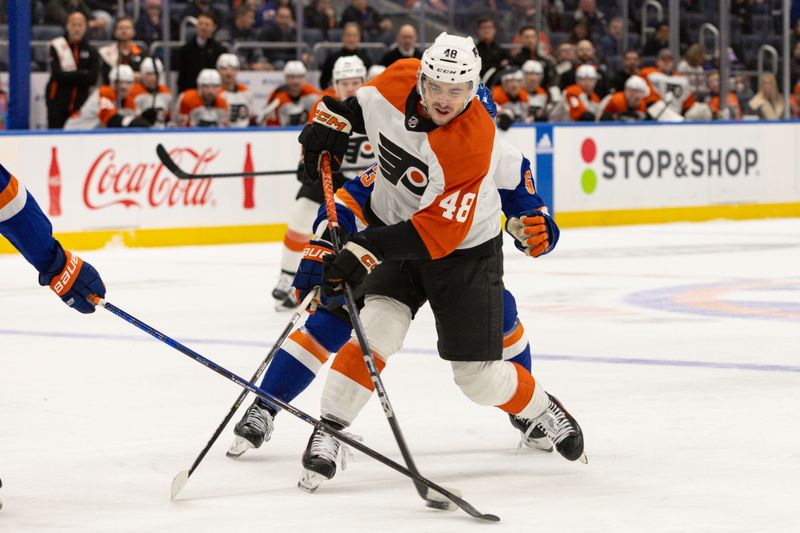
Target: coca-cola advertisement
<point x="114" y="181"/>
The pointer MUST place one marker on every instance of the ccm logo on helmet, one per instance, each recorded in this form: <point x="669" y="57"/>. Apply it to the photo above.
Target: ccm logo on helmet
<point x="333" y="121"/>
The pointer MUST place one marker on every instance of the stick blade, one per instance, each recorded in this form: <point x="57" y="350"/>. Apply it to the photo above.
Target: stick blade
<point x="167" y="161"/>
<point x="178" y="483"/>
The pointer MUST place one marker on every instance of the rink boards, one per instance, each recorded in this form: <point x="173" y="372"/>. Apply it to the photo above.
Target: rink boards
<point x="103" y="188"/>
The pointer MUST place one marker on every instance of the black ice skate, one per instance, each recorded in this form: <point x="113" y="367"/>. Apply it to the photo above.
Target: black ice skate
<point x="532" y="435"/>
<point x="284" y="286"/>
<point x="289" y="303"/>
<point x="252" y="430"/>
<point x="562" y="428"/>
<point x="320" y="460"/>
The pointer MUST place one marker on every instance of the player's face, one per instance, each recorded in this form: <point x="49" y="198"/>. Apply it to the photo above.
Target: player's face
<point x="587" y="84"/>
<point x="294" y="83"/>
<point x="532" y="80"/>
<point x="208" y="93"/>
<point x="76" y="27"/>
<point x="444" y="101"/>
<point x="124" y="31"/>
<point x="633" y="97"/>
<point x="149" y="80"/>
<point x="124" y="87"/>
<point x="512" y="87"/>
<point x="228" y="75"/>
<point x="347" y="87"/>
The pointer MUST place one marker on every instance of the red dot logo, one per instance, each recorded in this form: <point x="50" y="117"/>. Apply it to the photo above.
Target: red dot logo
<point x="588" y="150"/>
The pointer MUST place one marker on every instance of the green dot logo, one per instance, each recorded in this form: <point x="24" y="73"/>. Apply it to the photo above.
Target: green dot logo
<point x="589" y="177"/>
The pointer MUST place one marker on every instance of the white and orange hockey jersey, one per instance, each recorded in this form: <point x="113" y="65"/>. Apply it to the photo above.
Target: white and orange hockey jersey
<point x="433" y="176"/>
<point x="193" y="112"/>
<point x="97" y="110"/>
<point x="140" y="99"/>
<point x="240" y="105"/>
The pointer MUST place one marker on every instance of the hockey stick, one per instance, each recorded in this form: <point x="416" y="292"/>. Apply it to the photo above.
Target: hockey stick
<point x="172" y="166"/>
<point x="432" y="499"/>
<point x="343" y="437"/>
<point x="183" y="476"/>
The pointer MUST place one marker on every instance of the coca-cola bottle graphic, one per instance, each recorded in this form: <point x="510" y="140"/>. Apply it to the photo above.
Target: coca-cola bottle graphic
<point x="54" y="184"/>
<point x="249" y="183"/>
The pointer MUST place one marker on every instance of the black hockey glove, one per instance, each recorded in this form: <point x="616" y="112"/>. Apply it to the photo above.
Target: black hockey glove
<point x="504" y="121"/>
<point x="329" y="132"/>
<point x="351" y="265"/>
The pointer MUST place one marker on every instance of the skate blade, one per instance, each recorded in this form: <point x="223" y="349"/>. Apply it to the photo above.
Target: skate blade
<point x="583" y="459"/>
<point x="310" y="481"/>
<point x="239" y="446"/>
<point x="544" y="444"/>
<point x="437" y="500"/>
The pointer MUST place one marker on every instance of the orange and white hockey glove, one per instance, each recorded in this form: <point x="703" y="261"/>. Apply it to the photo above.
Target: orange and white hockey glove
<point x="535" y="232"/>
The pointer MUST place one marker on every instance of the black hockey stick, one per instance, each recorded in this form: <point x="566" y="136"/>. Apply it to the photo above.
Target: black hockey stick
<point x="343" y="437"/>
<point x="432" y="499"/>
<point x="172" y="166"/>
<point x="183" y="476"/>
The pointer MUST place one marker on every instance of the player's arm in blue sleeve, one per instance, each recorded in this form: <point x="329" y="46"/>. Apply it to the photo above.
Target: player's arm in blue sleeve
<point x="27" y="228"/>
<point x="528" y="219"/>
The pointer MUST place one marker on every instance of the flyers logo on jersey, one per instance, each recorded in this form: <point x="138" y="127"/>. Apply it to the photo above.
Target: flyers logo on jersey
<point x="402" y="168"/>
<point x="358" y="146"/>
<point x="332" y="121"/>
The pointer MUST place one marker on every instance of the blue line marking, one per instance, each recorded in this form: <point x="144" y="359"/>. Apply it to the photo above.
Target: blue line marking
<point x="633" y="361"/>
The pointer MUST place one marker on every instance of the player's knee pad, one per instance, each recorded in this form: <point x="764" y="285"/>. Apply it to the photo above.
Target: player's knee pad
<point x="486" y="382"/>
<point x="302" y="215"/>
<point x="328" y="329"/>
<point x="386" y="322"/>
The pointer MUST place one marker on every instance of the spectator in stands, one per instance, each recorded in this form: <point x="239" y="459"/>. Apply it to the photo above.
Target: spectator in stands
<point x="3" y="107"/>
<point x="365" y="15"/>
<point x="630" y="66"/>
<point x="242" y="29"/>
<point x="658" y="41"/>
<point x="580" y="31"/>
<point x="691" y="66"/>
<point x="610" y="43"/>
<point x="320" y="14"/>
<point x="511" y="98"/>
<point x="289" y="104"/>
<point x="74" y="67"/>
<point x="148" y="26"/>
<point x="768" y="102"/>
<point x="201" y="52"/>
<point x="493" y="56"/>
<point x="587" y="11"/>
<point x="237" y="95"/>
<point x="351" y="39"/>
<point x="405" y="46"/>
<point x="195" y="8"/>
<point x="629" y="104"/>
<point x="57" y="10"/>
<point x="580" y="99"/>
<point x="124" y="51"/>
<point x="565" y="62"/>
<point x="149" y="98"/>
<point x="529" y="40"/>
<point x="733" y="111"/>
<point x="585" y="55"/>
<point x="743" y="11"/>
<point x="203" y="107"/>
<point x="538" y="97"/>
<point x="280" y="29"/>
<point x="795" y="63"/>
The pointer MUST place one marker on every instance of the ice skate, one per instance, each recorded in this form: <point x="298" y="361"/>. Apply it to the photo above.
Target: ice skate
<point x="284" y="286"/>
<point x="532" y="436"/>
<point x="323" y="454"/>
<point x="289" y="303"/>
<point x="252" y="430"/>
<point x="562" y="429"/>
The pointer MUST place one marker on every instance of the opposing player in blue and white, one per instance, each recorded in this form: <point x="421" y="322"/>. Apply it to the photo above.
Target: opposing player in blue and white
<point x="24" y="224"/>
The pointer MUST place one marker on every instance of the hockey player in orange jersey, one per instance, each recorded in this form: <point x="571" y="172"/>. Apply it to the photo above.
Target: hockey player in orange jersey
<point x="149" y="98"/>
<point x="103" y="110"/>
<point x="580" y="99"/>
<point x="203" y="107"/>
<point x="237" y="95"/>
<point x="628" y="104"/>
<point x="289" y="104"/>
<point x="349" y="75"/>
<point x="432" y="237"/>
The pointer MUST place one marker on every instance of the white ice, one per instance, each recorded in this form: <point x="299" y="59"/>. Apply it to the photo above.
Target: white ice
<point x="96" y="417"/>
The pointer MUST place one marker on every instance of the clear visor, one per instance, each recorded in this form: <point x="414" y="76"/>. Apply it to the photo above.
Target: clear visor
<point x="434" y="92"/>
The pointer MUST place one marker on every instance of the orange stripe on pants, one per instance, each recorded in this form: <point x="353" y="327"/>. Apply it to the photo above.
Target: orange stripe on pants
<point x="523" y="394"/>
<point x="310" y="345"/>
<point x="350" y="362"/>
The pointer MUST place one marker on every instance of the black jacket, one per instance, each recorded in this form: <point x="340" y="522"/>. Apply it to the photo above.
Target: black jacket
<point x="192" y="58"/>
<point x="67" y="91"/>
<point x="394" y="54"/>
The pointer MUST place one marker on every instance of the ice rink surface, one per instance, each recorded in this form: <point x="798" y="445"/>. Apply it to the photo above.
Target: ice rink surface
<point x="677" y="347"/>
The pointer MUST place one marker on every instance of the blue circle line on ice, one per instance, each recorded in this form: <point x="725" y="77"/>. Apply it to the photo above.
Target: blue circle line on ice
<point x="428" y="351"/>
<point x="765" y="299"/>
